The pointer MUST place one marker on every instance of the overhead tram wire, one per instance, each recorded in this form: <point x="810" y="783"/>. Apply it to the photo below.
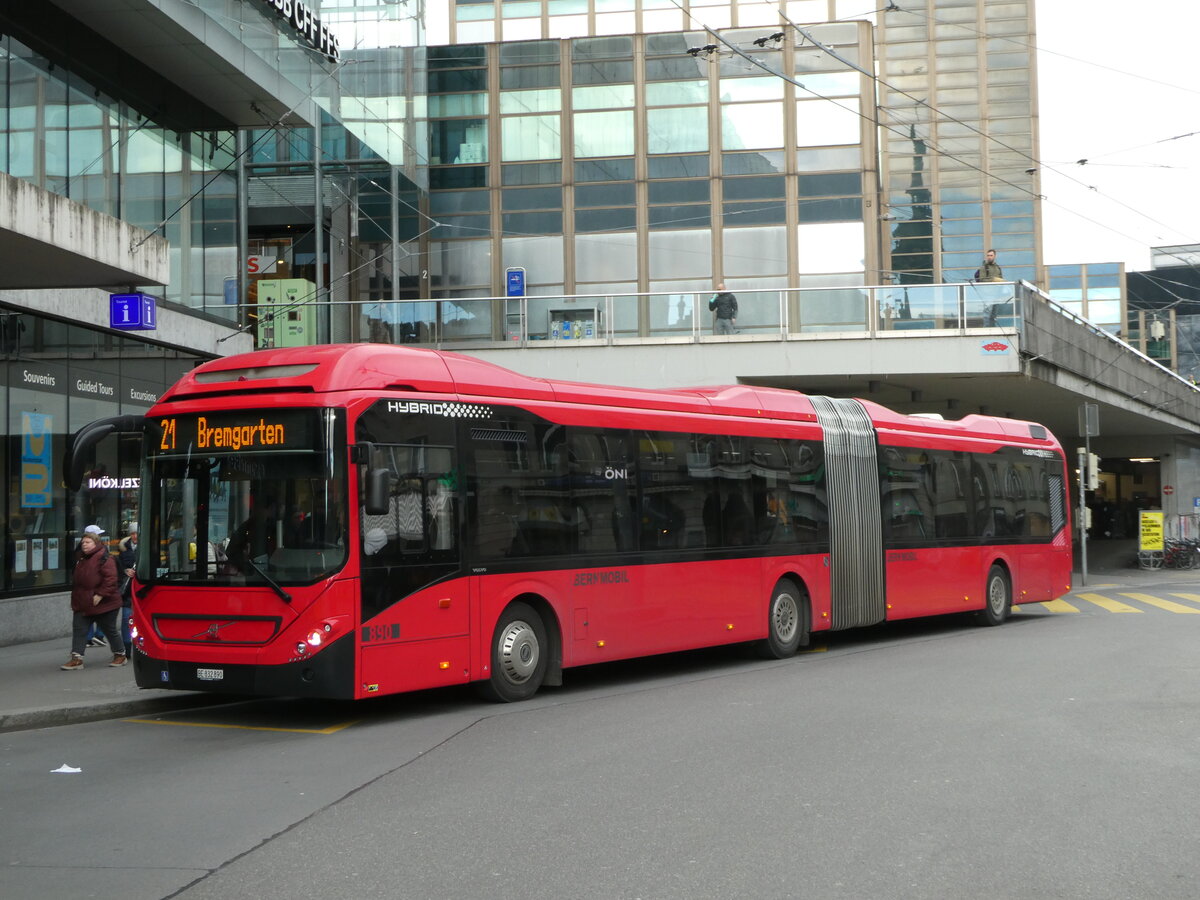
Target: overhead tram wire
<point x="1177" y="137"/>
<point x="942" y="115"/>
<point x="249" y="146"/>
<point x="860" y="114"/>
<point x="929" y="143"/>
<point x="1040" y="163"/>
<point x="311" y="296"/>
<point x="276" y="126"/>
<point x="939" y="113"/>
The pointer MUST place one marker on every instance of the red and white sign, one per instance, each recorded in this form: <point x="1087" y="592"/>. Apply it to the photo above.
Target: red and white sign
<point x="260" y="265"/>
<point x="1168" y="489"/>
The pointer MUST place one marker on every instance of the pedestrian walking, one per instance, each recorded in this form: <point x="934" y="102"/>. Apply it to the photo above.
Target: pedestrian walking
<point x="95" y="637"/>
<point x="724" y="304"/>
<point x="127" y="564"/>
<point x="94" y="597"/>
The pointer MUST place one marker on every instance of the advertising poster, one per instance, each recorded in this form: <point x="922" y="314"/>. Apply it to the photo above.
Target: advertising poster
<point x="36" y="483"/>
<point x="37" y="548"/>
<point x="1150" y="531"/>
<point x="20" y="557"/>
<point x="51" y="553"/>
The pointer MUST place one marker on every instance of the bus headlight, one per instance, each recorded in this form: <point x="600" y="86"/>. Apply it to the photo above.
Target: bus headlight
<point x="315" y="637"/>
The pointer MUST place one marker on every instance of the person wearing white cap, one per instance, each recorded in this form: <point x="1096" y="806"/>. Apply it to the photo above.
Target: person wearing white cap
<point x="95" y="637"/>
<point x="94" y="599"/>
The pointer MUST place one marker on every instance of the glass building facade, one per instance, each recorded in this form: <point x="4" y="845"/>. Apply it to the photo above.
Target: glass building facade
<point x="959" y="128"/>
<point x="65" y="133"/>
<point x="949" y="173"/>
<point x="1093" y="291"/>
<point x="625" y="163"/>
<point x="312" y="181"/>
<point x="57" y="377"/>
<point x="522" y="20"/>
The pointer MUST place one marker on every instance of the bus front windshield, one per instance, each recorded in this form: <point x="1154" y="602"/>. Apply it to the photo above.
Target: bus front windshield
<point x="244" y="517"/>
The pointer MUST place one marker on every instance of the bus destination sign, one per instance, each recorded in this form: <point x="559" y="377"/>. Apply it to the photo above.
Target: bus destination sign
<point x="244" y="432"/>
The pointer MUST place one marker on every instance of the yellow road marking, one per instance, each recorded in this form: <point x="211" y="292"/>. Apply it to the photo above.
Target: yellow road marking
<point x="1103" y="602"/>
<point x="814" y="650"/>
<point x="1168" y="605"/>
<point x="329" y="730"/>
<point x="1195" y="598"/>
<point x="1058" y="606"/>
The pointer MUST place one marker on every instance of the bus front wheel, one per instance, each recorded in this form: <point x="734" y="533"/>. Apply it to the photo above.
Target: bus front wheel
<point x="998" y="598"/>
<point x="786" y="625"/>
<point x="519" y="655"/>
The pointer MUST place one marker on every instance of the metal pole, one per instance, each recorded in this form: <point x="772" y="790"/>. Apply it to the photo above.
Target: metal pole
<point x="1084" y="456"/>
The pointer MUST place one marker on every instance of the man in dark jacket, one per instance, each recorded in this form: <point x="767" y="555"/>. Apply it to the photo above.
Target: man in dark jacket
<point x="126" y="563"/>
<point x="94" y="597"/>
<point x="725" y="306"/>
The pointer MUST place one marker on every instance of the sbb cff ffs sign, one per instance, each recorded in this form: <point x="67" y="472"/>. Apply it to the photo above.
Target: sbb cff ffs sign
<point x="132" y="312"/>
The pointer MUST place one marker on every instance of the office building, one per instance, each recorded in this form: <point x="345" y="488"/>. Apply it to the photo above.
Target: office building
<point x="176" y="153"/>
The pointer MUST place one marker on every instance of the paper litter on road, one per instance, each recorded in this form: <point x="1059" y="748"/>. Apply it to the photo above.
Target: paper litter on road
<point x="65" y="769"/>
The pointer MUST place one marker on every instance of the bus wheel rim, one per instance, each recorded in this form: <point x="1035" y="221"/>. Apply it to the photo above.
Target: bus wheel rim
<point x="519" y="651"/>
<point x="786" y="617"/>
<point x="996" y="595"/>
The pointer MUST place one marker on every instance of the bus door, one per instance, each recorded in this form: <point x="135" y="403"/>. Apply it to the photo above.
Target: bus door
<point x="409" y="532"/>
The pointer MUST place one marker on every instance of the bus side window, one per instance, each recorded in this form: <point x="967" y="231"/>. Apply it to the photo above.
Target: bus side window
<point x="908" y="499"/>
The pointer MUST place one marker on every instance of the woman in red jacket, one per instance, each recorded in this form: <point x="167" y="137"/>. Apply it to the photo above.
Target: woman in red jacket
<point x="94" y="598"/>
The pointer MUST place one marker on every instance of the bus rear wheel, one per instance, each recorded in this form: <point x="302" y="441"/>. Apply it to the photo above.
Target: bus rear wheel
<point x="998" y="598"/>
<point x="786" y="621"/>
<point x="519" y="655"/>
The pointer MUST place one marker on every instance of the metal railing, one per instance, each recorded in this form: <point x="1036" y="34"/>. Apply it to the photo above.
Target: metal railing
<point x="681" y="317"/>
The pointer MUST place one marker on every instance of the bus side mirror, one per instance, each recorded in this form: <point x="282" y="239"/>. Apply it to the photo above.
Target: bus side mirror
<point x="379" y="485"/>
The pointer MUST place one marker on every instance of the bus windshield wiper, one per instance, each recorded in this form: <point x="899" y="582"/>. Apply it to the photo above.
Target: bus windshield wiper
<point x="284" y="595"/>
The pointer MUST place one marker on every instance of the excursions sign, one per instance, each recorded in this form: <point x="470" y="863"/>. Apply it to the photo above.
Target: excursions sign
<point x="243" y="432"/>
<point x="305" y="21"/>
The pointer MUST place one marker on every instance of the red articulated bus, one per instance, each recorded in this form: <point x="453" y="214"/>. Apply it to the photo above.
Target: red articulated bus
<point x="353" y="521"/>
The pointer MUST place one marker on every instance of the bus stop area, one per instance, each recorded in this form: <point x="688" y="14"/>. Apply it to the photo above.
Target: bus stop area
<point x="37" y="694"/>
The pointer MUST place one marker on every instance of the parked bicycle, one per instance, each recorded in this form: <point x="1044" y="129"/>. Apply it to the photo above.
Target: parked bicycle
<point x="1181" y="554"/>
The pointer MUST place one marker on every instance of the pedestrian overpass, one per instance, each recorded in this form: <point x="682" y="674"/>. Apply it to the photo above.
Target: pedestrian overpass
<point x="1003" y="349"/>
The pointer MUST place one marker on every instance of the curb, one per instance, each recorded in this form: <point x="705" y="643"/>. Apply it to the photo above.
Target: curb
<point x="27" y="719"/>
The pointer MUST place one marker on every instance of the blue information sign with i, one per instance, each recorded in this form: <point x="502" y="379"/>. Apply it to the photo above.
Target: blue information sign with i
<point x="132" y="312"/>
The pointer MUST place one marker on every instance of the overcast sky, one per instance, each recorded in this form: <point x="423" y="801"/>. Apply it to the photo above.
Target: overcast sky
<point x="1117" y="80"/>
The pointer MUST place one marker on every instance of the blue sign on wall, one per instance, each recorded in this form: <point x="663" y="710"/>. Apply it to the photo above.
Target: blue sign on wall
<point x="132" y="312"/>
<point x="37" y="430"/>
<point x="516" y="281"/>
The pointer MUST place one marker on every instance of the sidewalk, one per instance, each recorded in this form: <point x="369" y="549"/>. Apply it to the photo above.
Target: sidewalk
<point x="35" y="693"/>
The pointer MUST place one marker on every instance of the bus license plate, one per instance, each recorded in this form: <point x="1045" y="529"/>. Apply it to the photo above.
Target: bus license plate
<point x="210" y="674"/>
